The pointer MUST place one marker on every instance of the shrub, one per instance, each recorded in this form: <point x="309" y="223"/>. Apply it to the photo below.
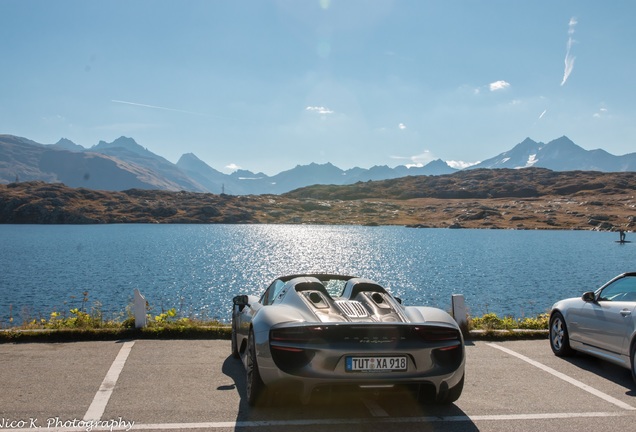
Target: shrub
<point x="491" y="321"/>
<point x="539" y="322"/>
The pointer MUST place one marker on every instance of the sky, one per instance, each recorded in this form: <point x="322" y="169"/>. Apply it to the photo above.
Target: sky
<point x="265" y="85"/>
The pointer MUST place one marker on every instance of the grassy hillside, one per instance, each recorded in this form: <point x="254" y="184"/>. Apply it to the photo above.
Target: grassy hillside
<point x="519" y="199"/>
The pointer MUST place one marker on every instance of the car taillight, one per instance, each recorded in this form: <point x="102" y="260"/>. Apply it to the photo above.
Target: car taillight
<point x="449" y="357"/>
<point x="288" y="349"/>
<point x="433" y="334"/>
<point x="302" y="334"/>
<point x="287" y="346"/>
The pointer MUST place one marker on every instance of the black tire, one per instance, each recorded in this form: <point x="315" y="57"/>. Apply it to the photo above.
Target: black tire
<point x="427" y="394"/>
<point x="235" y="351"/>
<point x="452" y="394"/>
<point x="633" y="360"/>
<point x="255" y="388"/>
<point x="559" y="337"/>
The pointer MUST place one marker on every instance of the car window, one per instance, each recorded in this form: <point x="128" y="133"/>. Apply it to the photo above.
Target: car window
<point x="623" y="289"/>
<point x="334" y="286"/>
<point x="272" y="291"/>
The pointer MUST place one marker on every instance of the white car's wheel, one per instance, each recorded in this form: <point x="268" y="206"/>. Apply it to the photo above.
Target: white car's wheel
<point x="633" y="360"/>
<point x="427" y="395"/>
<point x="255" y="388"/>
<point x="453" y="393"/>
<point x="235" y="351"/>
<point x="559" y="337"/>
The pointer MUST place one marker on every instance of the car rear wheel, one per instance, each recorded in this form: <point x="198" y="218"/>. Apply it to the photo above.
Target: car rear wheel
<point x="427" y="395"/>
<point x="255" y="388"/>
<point x="453" y="393"/>
<point x="559" y="337"/>
<point x="235" y="351"/>
<point x="633" y="360"/>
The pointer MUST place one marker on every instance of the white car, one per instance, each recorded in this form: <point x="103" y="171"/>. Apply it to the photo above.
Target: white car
<point x="600" y="323"/>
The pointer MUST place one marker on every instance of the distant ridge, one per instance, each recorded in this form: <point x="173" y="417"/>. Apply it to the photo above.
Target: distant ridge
<point x="124" y="164"/>
<point x="211" y="179"/>
<point x="533" y="198"/>
<point x="560" y="154"/>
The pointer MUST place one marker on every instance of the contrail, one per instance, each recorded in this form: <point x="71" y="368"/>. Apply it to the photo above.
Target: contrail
<point x="167" y="109"/>
<point x="569" y="59"/>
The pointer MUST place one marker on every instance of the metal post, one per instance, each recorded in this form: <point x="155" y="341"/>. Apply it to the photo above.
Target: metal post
<point x="459" y="312"/>
<point x="140" y="310"/>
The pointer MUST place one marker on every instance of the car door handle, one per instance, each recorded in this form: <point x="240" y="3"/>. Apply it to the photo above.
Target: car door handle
<point x="626" y="312"/>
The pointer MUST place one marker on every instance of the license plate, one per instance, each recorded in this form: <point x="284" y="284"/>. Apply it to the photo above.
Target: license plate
<point x="375" y="364"/>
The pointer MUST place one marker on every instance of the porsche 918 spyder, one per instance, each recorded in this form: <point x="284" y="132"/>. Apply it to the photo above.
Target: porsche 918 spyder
<point x="313" y="332"/>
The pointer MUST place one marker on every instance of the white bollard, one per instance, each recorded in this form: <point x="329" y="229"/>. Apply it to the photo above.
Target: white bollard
<point x="459" y="311"/>
<point x="140" y="310"/>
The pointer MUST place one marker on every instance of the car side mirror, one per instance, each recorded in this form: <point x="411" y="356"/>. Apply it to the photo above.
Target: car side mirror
<point x="588" y="296"/>
<point x="241" y="301"/>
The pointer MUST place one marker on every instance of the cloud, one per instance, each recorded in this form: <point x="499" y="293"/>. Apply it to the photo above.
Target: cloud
<point x="602" y="112"/>
<point x="233" y="167"/>
<point x="418" y="160"/>
<point x="460" y="164"/>
<point x="319" y="110"/>
<point x="169" y="109"/>
<point x="498" y="85"/>
<point x="542" y="114"/>
<point x="154" y="107"/>
<point x="54" y="118"/>
<point x="569" y="58"/>
<point x="402" y="126"/>
<point x="571" y="24"/>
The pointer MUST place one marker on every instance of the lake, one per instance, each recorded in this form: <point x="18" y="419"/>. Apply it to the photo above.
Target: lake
<point x="197" y="269"/>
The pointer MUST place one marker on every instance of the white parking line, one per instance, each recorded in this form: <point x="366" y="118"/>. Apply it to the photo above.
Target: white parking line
<point x="97" y="407"/>
<point x="347" y="421"/>
<point x="566" y="378"/>
<point x="322" y="422"/>
<point x="375" y="420"/>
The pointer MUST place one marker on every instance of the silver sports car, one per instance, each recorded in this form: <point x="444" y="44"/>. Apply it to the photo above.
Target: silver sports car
<point x="317" y="332"/>
<point x="600" y="323"/>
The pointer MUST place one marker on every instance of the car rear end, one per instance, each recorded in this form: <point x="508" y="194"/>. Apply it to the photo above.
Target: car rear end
<point x="364" y="355"/>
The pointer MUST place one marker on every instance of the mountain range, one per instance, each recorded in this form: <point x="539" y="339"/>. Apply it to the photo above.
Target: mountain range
<point x="123" y="164"/>
<point x="559" y="155"/>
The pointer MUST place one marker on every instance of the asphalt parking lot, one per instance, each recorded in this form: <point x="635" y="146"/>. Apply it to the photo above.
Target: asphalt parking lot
<point x="195" y="385"/>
